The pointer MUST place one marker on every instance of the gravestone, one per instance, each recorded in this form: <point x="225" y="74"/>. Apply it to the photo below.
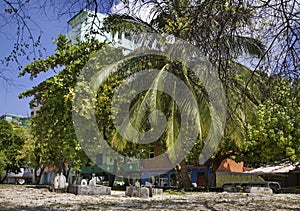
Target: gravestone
<point x="92" y="182"/>
<point x="129" y="191"/>
<point x="260" y="190"/>
<point x="157" y="191"/>
<point x="91" y="189"/>
<point x="137" y="189"/>
<point x="59" y="183"/>
<point x="62" y="184"/>
<point x="133" y="191"/>
<point x="83" y="182"/>
<point x="144" y="192"/>
<point x="56" y="181"/>
<point x="149" y="186"/>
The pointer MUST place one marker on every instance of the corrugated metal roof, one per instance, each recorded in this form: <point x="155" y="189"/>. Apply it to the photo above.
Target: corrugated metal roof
<point x="282" y="168"/>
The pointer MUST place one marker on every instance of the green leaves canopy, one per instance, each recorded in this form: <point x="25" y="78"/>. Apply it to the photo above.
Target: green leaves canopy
<point x="275" y="135"/>
<point x="12" y="138"/>
<point x="55" y="140"/>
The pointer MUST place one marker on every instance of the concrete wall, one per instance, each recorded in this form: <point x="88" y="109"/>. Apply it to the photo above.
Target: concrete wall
<point x="226" y="177"/>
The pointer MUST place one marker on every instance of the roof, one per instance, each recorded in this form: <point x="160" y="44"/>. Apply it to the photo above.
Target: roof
<point x="282" y="168"/>
<point x="80" y="12"/>
<point x="13" y="115"/>
<point x="24" y="173"/>
<point x="21" y="120"/>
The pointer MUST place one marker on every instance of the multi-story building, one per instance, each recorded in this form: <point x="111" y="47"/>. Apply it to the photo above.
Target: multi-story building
<point x="20" y="120"/>
<point x="35" y="106"/>
<point x="86" y="25"/>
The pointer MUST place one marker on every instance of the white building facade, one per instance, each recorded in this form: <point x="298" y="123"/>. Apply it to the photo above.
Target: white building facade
<point x="87" y="24"/>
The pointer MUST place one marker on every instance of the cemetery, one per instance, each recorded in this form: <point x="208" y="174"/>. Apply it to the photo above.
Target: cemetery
<point x="150" y="105"/>
<point x="20" y="197"/>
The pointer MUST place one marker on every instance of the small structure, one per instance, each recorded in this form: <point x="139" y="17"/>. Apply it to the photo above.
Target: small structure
<point x="59" y="184"/>
<point x="286" y="174"/>
<point x="260" y="190"/>
<point x="133" y="191"/>
<point x="20" y="120"/>
<point x="90" y="188"/>
<point x="143" y="192"/>
<point x="23" y="177"/>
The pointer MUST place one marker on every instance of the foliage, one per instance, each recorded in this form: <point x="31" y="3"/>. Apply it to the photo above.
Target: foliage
<point x="274" y="136"/>
<point x="55" y="140"/>
<point x="3" y="164"/>
<point x="221" y="25"/>
<point x="216" y="27"/>
<point x="12" y="137"/>
<point x="277" y="25"/>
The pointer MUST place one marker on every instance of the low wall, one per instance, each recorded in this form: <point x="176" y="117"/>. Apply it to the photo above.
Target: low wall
<point x="227" y="177"/>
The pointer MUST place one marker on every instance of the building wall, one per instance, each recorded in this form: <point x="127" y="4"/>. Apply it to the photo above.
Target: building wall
<point x="164" y="178"/>
<point x="229" y="165"/>
<point x="227" y="177"/>
<point x="20" y="120"/>
<point x="86" y="22"/>
<point x="35" y="107"/>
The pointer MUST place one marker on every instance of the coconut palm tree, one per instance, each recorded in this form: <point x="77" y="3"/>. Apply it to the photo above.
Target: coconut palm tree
<point x="215" y="27"/>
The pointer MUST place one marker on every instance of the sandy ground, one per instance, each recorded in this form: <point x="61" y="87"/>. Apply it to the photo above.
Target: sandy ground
<point x="28" y="198"/>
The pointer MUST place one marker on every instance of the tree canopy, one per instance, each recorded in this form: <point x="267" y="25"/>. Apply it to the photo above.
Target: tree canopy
<point x="55" y="141"/>
<point x="274" y="136"/>
<point x="273" y="22"/>
<point x="12" y="138"/>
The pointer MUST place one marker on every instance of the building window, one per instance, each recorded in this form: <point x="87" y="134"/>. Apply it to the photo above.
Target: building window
<point x="151" y="154"/>
<point x="119" y="36"/>
<point x="127" y="36"/>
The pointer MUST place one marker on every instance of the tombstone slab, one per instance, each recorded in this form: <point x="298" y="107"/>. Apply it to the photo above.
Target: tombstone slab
<point x="157" y="191"/>
<point x="149" y="186"/>
<point x="90" y="190"/>
<point x="260" y="190"/>
<point x="144" y="192"/>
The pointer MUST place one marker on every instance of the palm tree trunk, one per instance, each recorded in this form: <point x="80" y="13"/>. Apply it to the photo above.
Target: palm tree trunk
<point x="206" y="177"/>
<point x="185" y="182"/>
<point x="4" y="178"/>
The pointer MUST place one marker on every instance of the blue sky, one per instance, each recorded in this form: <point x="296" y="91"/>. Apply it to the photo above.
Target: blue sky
<point x="51" y="27"/>
<point x="10" y="103"/>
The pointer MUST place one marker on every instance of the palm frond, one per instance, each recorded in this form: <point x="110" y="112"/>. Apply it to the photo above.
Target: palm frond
<point x="125" y="23"/>
<point x="172" y="129"/>
<point x="238" y="45"/>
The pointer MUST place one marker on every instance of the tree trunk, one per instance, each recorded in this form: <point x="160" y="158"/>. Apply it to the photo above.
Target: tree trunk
<point x="4" y="178"/>
<point x="67" y="174"/>
<point x="111" y="179"/>
<point x="206" y="177"/>
<point x="74" y="182"/>
<point x="185" y="182"/>
<point x="61" y="165"/>
<point x="215" y="163"/>
<point x="112" y="176"/>
<point x="38" y="177"/>
<point x="212" y="178"/>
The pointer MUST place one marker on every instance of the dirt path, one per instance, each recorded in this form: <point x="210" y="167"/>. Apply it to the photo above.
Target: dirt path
<point x="33" y="199"/>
